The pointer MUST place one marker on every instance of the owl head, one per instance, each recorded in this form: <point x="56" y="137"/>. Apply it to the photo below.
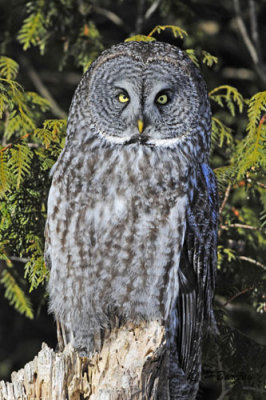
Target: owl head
<point x="145" y="94"/>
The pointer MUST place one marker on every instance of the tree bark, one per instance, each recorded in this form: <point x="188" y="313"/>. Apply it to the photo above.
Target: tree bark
<point x="131" y="365"/>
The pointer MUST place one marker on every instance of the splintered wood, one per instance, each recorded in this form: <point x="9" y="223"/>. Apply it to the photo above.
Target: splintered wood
<point x="129" y="366"/>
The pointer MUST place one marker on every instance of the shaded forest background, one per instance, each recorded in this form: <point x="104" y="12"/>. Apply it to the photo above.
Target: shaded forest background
<point x="53" y="42"/>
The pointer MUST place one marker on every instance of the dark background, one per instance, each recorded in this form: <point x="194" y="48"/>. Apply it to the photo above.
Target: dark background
<point x="212" y="26"/>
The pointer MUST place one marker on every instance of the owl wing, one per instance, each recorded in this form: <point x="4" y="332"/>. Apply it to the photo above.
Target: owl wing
<point x="197" y="272"/>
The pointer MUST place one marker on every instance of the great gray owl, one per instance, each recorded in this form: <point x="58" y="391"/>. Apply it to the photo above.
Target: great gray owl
<point x="132" y="211"/>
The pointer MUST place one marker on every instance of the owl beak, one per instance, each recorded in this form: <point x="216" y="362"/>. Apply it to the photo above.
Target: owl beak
<point x="140" y="125"/>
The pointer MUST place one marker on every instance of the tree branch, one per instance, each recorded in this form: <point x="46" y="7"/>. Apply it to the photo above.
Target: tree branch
<point x="226" y="195"/>
<point x="244" y="33"/>
<point x="242" y="226"/>
<point x="254" y="26"/>
<point x="42" y="89"/>
<point x="248" y="42"/>
<point x="238" y="73"/>
<point x="261" y="185"/>
<point x="23" y="260"/>
<point x="15" y="142"/>
<point x="151" y="10"/>
<point x="237" y="295"/>
<point x="252" y="261"/>
<point x="109" y="15"/>
<point x="140" y="16"/>
<point x="253" y="389"/>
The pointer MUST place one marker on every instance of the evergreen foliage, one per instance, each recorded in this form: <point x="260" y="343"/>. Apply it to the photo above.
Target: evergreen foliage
<point x="176" y="30"/>
<point x="43" y="24"/>
<point x="15" y="294"/>
<point x="31" y="141"/>
<point x="20" y="234"/>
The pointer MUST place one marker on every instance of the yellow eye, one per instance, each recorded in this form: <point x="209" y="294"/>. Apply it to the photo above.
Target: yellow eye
<point x="162" y="99"/>
<point x="123" y="98"/>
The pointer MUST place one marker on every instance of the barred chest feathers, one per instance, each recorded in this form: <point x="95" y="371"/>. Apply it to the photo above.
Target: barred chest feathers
<point x="128" y="210"/>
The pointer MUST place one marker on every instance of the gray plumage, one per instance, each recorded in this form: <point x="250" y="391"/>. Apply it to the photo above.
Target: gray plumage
<point x="132" y="222"/>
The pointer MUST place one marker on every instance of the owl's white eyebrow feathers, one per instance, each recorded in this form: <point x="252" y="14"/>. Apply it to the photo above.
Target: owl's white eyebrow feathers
<point x="160" y="86"/>
<point x="125" y="85"/>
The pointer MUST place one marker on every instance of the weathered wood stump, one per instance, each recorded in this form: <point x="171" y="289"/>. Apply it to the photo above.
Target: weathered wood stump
<point x="131" y="365"/>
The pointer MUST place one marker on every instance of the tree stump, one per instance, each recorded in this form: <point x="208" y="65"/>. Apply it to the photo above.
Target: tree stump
<point x="132" y="364"/>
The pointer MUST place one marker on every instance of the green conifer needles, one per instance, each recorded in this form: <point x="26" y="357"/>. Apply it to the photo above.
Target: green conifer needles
<point x="251" y="151"/>
<point x="30" y="146"/>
